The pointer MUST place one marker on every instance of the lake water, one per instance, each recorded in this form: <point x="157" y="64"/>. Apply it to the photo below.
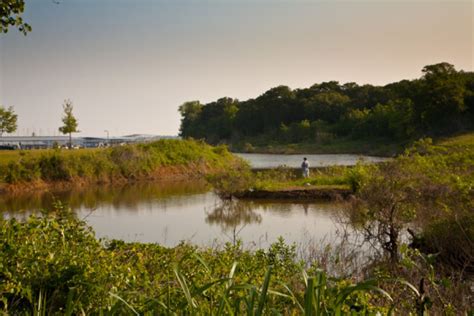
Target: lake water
<point x="171" y="212"/>
<point x="168" y="213"/>
<point x="265" y="161"/>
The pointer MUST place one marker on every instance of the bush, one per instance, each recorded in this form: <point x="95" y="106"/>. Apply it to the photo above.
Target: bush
<point x="231" y="181"/>
<point x="129" y="162"/>
<point x="452" y="239"/>
<point x="54" y="265"/>
<point x="49" y="261"/>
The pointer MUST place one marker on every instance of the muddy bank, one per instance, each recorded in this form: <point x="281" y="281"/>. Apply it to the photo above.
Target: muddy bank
<point x="322" y="194"/>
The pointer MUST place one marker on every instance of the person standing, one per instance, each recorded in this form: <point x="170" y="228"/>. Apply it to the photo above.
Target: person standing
<point x="305" y="167"/>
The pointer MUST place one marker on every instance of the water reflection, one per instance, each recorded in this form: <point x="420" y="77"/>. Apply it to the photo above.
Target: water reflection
<point x="230" y="214"/>
<point x="239" y="219"/>
<point x="168" y="213"/>
<point x="260" y="161"/>
<point x="132" y="196"/>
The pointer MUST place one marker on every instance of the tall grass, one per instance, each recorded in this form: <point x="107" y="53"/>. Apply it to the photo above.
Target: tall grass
<point x="109" y="164"/>
<point x="237" y="180"/>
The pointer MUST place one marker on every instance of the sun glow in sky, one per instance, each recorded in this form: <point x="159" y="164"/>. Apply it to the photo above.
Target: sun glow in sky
<point x="127" y="65"/>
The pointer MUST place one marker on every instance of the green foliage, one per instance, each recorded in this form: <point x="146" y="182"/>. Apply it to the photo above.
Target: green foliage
<point x="358" y="176"/>
<point x="423" y="185"/>
<point x="439" y="103"/>
<point x="10" y="15"/>
<point x="69" y="121"/>
<point x="190" y="157"/>
<point x="248" y="148"/>
<point x="465" y="141"/>
<point x="54" y="265"/>
<point x="8" y="120"/>
<point x="452" y="239"/>
<point x="233" y="180"/>
<point x="219" y="117"/>
<point x="21" y="170"/>
<point x="393" y="121"/>
<point x="337" y="176"/>
<point x="49" y="261"/>
<point x="237" y="180"/>
<point x="443" y="102"/>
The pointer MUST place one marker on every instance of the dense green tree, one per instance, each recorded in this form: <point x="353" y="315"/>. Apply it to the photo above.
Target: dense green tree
<point x="8" y="120"/>
<point x="217" y="119"/>
<point x="441" y="102"/>
<point x="275" y="106"/>
<point x="326" y="106"/>
<point x="469" y="98"/>
<point x="69" y="121"/>
<point x="249" y="119"/>
<point x="329" y="86"/>
<point x="10" y="16"/>
<point x="190" y="112"/>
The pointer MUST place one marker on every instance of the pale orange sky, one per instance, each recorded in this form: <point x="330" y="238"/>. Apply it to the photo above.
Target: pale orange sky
<point x="128" y="64"/>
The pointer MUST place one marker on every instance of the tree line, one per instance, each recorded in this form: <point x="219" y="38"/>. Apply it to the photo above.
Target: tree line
<point x="439" y="103"/>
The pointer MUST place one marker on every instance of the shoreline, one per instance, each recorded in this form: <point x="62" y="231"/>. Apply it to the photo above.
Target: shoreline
<point x="380" y="148"/>
<point x="162" y="174"/>
<point x="302" y="151"/>
<point x="298" y="193"/>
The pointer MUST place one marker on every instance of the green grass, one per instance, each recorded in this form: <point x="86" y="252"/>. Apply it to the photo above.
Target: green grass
<point x="302" y="184"/>
<point x="128" y="162"/>
<point x="7" y="156"/>
<point x="465" y="140"/>
<point x="235" y="181"/>
<point x="337" y="177"/>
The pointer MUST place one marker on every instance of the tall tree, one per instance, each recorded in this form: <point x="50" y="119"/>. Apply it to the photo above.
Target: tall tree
<point x="8" y="120"/>
<point x="70" y="122"/>
<point x="10" y="15"/>
<point x="441" y="102"/>
<point x="190" y="112"/>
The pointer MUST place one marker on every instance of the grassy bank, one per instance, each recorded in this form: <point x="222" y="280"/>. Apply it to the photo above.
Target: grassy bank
<point x="350" y="177"/>
<point x="164" y="159"/>
<point x="460" y="141"/>
<point x="324" y="183"/>
<point x="374" y="146"/>
<point x="369" y="146"/>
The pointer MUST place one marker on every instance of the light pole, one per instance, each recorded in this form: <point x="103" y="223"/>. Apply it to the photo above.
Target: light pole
<point x="108" y="143"/>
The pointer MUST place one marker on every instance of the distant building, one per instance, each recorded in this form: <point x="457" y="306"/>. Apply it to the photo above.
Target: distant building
<point x="34" y="142"/>
<point x="43" y="142"/>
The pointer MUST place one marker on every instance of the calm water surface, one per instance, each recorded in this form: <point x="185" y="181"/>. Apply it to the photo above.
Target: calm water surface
<point x="171" y="212"/>
<point x="168" y="213"/>
<point x="264" y="161"/>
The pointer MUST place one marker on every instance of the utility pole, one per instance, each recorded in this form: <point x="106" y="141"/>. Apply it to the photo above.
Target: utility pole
<point x="108" y="143"/>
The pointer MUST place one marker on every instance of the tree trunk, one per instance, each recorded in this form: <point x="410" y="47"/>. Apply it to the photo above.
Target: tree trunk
<point x="70" y="141"/>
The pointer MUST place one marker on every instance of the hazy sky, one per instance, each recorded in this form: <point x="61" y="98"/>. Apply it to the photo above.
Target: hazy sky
<point x="127" y="65"/>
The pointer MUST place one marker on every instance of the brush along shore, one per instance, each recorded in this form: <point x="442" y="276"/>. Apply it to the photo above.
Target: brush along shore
<point x="160" y="160"/>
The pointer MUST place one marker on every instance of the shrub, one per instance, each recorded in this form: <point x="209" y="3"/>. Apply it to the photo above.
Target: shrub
<point x="49" y="261"/>
<point x="129" y="161"/>
<point x="452" y="239"/>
